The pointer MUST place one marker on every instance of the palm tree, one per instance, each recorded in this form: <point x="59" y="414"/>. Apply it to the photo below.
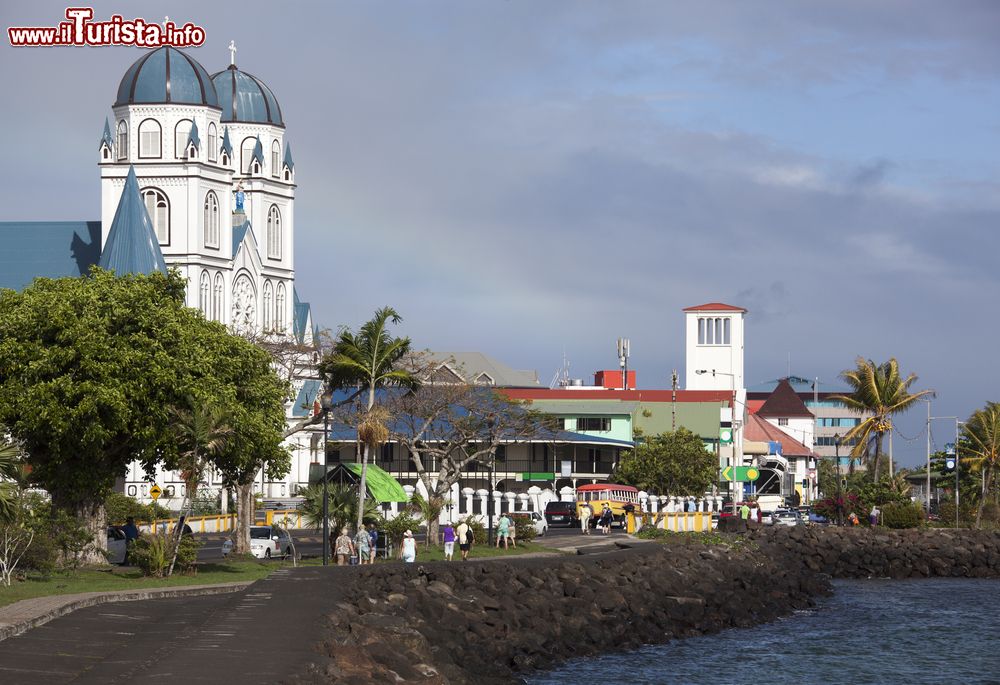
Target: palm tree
<point x="10" y="470"/>
<point x="369" y="360"/>
<point x="429" y="510"/>
<point x="343" y="506"/>
<point x="980" y="448"/>
<point x="879" y="391"/>
<point x="201" y="430"/>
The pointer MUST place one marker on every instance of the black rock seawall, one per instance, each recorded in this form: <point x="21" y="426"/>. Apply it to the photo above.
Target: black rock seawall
<point x="488" y="622"/>
<point x="485" y="622"/>
<point x="881" y="553"/>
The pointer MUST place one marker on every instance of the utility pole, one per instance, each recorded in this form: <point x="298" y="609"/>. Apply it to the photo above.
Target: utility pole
<point x="623" y="350"/>
<point x="673" y="401"/>
<point x="928" y="458"/>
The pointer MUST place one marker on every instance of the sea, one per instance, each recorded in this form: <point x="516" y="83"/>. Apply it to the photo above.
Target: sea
<point x="940" y="630"/>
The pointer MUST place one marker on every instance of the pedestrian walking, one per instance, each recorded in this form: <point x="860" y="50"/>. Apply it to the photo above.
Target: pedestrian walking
<point x="586" y="513"/>
<point x="343" y="547"/>
<point x="363" y="544"/>
<point x="512" y="532"/>
<point x="131" y="532"/>
<point x="873" y="516"/>
<point x="607" y="518"/>
<point x="409" y="548"/>
<point x="373" y="537"/>
<point x="503" y="530"/>
<point x="449" y="541"/>
<point x="464" y="534"/>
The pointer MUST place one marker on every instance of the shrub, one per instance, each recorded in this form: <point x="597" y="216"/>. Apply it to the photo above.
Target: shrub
<point x="902" y="515"/>
<point x="991" y="512"/>
<point x="394" y="528"/>
<point x="119" y="507"/>
<point x="524" y="528"/>
<point x="152" y="554"/>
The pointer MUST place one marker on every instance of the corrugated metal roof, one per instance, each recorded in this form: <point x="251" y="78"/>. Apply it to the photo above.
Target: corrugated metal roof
<point x="132" y="246"/>
<point x="48" y="249"/>
<point x="585" y="407"/>
<point x="758" y="429"/>
<point x="784" y="402"/>
<point x="472" y="365"/>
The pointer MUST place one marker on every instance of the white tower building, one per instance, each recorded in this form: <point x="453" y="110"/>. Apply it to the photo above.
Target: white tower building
<point x="714" y="346"/>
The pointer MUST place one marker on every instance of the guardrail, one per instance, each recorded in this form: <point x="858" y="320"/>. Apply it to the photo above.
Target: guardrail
<point x="223" y="523"/>
<point x="687" y="522"/>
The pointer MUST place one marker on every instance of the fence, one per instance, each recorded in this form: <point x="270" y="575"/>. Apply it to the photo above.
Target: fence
<point x="223" y="523"/>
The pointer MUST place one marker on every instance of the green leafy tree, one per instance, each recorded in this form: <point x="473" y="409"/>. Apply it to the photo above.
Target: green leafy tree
<point x="979" y="451"/>
<point x="880" y="391"/>
<point x="90" y="368"/>
<point x="343" y="506"/>
<point x="674" y="463"/>
<point x="369" y="360"/>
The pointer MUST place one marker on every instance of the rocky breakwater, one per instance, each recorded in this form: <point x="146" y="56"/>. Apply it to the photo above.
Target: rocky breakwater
<point x="883" y="553"/>
<point x="487" y="622"/>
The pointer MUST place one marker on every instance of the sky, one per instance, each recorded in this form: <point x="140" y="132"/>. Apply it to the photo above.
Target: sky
<point x="533" y="180"/>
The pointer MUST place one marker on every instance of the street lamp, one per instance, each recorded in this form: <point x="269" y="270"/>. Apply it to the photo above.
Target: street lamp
<point x="732" y="386"/>
<point x="326" y="402"/>
<point x="840" y="480"/>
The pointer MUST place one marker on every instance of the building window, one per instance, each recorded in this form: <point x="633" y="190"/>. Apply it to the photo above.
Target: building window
<point x="159" y="213"/>
<point x="149" y="139"/>
<point x="213" y="143"/>
<point x="246" y="154"/>
<point x="122" y="140"/>
<point x="714" y="331"/>
<point x="830" y="441"/>
<point x="279" y="308"/>
<point x="217" y="294"/>
<point x="273" y="233"/>
<point x="782" y="422"/>
<point x="182" y="131"/>
<point x="205" y="294"/>
<point x="275" y="159"/>
<point x="268" y="311"/>
<point x="841" y="422"/>
<point x="211" y="220"/>
<point x="593" y="423"/>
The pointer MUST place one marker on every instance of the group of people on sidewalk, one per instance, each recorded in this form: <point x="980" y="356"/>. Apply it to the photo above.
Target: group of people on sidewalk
<point x="362" y="546"/>
<point x="604" y="520"/>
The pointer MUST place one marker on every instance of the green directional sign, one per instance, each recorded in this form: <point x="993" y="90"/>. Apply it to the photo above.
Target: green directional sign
<point x="740" y="474"/>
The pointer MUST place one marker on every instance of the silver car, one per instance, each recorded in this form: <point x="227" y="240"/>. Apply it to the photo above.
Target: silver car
<point x="266" y="542"/>
<point x="787" y="517"/>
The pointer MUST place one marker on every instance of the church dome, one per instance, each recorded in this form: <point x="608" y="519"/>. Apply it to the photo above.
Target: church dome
<point x="166" y="75"/>
<point x="246" y="98"/>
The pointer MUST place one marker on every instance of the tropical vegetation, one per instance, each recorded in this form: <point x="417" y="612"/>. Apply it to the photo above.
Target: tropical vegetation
<point x="671" y="463"/>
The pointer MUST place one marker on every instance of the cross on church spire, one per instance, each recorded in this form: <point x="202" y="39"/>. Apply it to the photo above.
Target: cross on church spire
<point x="232" y="53"/>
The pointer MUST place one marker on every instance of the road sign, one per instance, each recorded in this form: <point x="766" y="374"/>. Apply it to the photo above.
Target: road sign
<point x="155" y="492"/>
<point x="740" y="474"/>
<point x="812" y="473"/>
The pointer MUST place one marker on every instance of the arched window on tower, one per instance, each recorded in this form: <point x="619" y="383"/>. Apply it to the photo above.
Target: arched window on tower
<point x="275" y="159"/>
<point x="159" y="213"/>
<point x="273" y="233"/>
<point x="217" y="310"/>
<point x="211" y="226"/>
<point x="205" y="294"/>
<point x="213" y="143"/>
<point x="122" y="140"/>
<point x="246" y="154"/>
<point x="182" y="131"/>
<point x="268" y="307"/>
<point x="150" y="135"/>
<point x="279" y="308"/>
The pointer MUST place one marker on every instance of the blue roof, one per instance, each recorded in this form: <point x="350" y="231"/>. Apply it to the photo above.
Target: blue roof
<point x="227" y="146"/>
<point x="106" y="138"/>
<point x="288" y="156"/>
<point x="239" y="232"/>
<point x="307" y="395"/>
<point x="166" y="75"/>
<point x="47" y="249"/>
<point x="258" y="152"/>
<point x="244" y="97"/>
<point x="300" y="317"/>
<point x="132" y="246"/>
<point x="193" y="136"/>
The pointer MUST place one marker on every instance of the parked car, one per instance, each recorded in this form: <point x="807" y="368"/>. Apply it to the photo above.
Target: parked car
<point x="787" y="517"/>
<point x="767" y="518"/>
<point x="265" y="542"/>
<point x="116" y="545"/>
<point x="561" y="514"/>
<point x="541" y="526"/>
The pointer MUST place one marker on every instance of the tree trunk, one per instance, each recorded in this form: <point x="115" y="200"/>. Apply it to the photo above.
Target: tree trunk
<point x="244" y="518"/>
<point x="93" y="518"/>
<point x="362" y="492"/>
<point x="877" y="458"/>
<point x="434" y="522"/>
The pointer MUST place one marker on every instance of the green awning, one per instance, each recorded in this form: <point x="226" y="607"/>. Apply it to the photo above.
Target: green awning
<point x="382" y="486"/>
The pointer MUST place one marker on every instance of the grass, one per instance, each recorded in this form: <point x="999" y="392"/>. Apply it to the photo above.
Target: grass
<point x="128" y="578"/>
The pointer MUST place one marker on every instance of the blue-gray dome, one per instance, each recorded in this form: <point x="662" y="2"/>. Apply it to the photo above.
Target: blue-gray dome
<point x="166" y="75"/>
<point x="244" y="97"/>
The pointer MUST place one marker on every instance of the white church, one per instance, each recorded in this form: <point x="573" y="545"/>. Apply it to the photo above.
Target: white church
<point x="196" y="175"/>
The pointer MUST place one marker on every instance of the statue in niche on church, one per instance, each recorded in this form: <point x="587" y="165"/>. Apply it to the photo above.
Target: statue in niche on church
<point x="240" y="194"/>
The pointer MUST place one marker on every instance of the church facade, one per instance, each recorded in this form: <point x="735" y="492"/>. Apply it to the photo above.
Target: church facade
<point x="196" y="174"/>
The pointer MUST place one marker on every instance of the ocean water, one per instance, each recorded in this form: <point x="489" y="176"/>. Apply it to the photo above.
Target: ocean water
<point x="941" y="630"/>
